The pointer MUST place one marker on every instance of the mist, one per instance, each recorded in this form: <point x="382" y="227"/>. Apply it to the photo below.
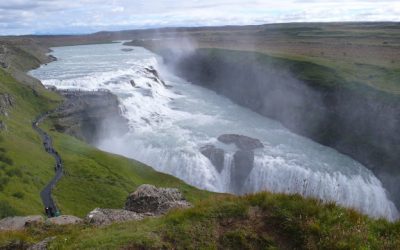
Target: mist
<point x="355" y="119"/>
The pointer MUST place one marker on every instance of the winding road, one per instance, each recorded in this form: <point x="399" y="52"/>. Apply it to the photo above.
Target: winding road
<point x="45" y="194"/>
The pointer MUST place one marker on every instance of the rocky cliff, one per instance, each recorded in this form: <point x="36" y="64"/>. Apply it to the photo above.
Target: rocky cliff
<point x="310" y="99"/>
<point x="90" y="115"/>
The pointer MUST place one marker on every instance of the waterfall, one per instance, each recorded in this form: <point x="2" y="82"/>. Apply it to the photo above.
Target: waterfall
<point x="170" y="120"/>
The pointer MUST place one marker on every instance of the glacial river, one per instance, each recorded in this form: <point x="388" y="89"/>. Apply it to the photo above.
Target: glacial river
<point x="169" y="124"/>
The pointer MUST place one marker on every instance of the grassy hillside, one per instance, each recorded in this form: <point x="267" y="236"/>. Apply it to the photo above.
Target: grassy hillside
<point x="97" y="179"/>
<point x="28" y="167"/>
<point x="260" y="221"/>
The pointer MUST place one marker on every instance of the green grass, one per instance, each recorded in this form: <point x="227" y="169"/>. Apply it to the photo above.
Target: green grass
<point x="25" y="167"/>
<point x="97" y="179"/>
<point x="259" y="221"/>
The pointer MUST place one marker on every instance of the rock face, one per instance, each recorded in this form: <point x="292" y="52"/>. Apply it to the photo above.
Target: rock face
<point x="6" y="102"/>
<point x="243" y="163"/>
<point x="215" y="155"/>
<point x="243" y="158"/>
<point x="90" y="115"/>
<point x="241" y="141"/>
<point x="156" y="76"/>
<point x="100" y="217"/>
<point x="19" y="222"/>
<point x="152" y="200"/>
<point x="65" y="220"/>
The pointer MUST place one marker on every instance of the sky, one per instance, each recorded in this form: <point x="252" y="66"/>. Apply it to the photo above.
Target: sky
<point x="19" y="17"/>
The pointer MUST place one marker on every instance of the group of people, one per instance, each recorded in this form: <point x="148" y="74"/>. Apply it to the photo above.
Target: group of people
<point x="49" y="211"/>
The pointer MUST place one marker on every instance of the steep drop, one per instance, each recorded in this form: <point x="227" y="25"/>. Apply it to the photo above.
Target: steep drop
<point x="171" y="120"/>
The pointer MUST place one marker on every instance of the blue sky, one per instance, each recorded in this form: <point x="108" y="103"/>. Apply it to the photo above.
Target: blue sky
<point x="86" y="16"/>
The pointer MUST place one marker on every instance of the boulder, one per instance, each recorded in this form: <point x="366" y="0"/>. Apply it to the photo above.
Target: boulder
<point x="20" y="222"/>
<point x="152" y="200"/>
<point x="52" y="58"/>
<point x="215" y="155"/>
<point x="241" y="141"/>
<point x="156" y="77"/>
<point x="51" y="88"/>
<point x="132" y="82"/>
<point x="243" y="163"/>
<point x="65" y="220"/>
<point x="100" y="217"/>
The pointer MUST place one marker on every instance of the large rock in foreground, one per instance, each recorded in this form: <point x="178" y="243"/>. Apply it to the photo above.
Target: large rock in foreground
<point x="156" y="201"/>
<point x="100" y="216"/>
<point x="19" y="222"/>
<point x="241" y="141"/>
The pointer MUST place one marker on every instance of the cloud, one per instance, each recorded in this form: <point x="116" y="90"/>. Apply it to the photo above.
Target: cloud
<point x="66" y="16"/>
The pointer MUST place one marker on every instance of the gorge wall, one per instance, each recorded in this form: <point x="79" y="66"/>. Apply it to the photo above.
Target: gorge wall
<point x="309" y="99"/>
<point x="89" y="115"/>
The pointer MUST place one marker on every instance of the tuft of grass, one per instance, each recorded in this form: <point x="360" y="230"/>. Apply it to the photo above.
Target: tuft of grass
<point x="7" y="210"/>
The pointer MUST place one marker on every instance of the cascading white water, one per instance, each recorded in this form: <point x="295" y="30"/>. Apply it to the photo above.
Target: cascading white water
<point x="169" y="125"/>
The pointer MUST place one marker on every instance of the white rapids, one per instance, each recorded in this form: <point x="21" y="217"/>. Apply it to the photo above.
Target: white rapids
<point x="169" y="124"/>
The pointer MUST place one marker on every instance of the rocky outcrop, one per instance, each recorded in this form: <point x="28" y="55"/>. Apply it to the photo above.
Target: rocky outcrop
<point x="100" y="216"/>
<point x="20" y="222"/>
<point x="6" y="102"/>
<point x="65" y="220"/>
<point x="243" y="158"/>
<point x="146" y="201"/>
<point x="155" y="76"/>
<point x="42" y="245"/>
<point x="243" y="163"/>
<point x="241" y="141"/>
<point x="90" y="115"/>
<point x="3" y="125"/>
<point x="152" y="200"/>
<point x="215" y="155"/>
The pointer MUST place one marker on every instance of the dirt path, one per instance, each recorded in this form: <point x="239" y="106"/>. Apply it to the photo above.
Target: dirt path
<point x="45" y="194"/>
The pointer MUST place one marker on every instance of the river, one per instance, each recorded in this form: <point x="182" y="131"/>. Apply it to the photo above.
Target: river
<point x="170" y="123"/>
